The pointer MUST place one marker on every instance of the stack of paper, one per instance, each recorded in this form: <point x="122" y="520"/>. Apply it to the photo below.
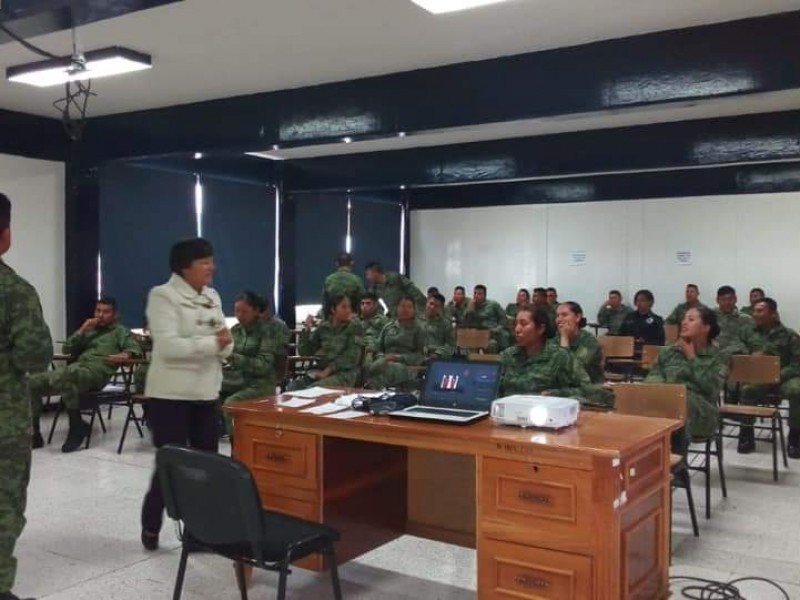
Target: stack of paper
<point x="313" y="392"/>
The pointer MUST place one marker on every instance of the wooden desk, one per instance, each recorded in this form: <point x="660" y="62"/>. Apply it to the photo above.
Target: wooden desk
<point x="581" y="514"/>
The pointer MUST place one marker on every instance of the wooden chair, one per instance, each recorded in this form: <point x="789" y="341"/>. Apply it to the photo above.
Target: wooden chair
<point x="760" y="370"/>
<point x="617" y="351"/>
<point x="671" y="333"/>
<point x="649" y="355"/>
<point x="484" y="357"/>
<point x="472" y="340"/>
<point x="664" y="401"/>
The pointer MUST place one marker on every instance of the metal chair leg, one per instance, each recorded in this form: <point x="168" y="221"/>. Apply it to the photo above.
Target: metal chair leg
<point x="783" y="441"/>
<point x="687" y="482"/>
<point x="707" y="473"/>
<point x="334" y="569"/>
<point x="774" y="441"/>
<point x="722" y="482"/>
<point x="59" y="410"/>
<point x="125" y="429"/>
<point x="241" y="580"/>
<point x="176" y="595"/>
<point x="284" y="573"/>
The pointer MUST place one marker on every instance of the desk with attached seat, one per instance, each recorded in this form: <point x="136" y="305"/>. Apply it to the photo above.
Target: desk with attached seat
<point x="578" y="514"/>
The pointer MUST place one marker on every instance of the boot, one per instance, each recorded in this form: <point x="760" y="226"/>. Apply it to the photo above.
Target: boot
<point x="793" y="442"/>
<point x="37" y="441"/>
<point x="747" y="440"/>
<point x="78" y="430"/>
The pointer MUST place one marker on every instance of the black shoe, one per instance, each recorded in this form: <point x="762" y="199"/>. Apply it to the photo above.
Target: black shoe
<point x="10" y="596"/>
<point x="149" y="540"/>
<point x="37" y="441"/>
<point x="793" y="450"/>
<point x="747" y="441"/>
<point x="76" y="436"/>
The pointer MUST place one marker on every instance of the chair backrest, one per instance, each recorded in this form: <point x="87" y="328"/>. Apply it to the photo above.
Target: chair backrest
<point x="759" y="368"/>
<point x="214" y="496"/>
<point x="662" y="400"/>
<point x="616" y="346"/>
<point x="472" y="339"/>
<point x="484" y="357"/>
<point x="649" y="355"/>
<point x="671" y="333"/>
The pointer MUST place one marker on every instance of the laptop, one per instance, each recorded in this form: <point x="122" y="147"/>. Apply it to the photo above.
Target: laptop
<point x="455" y="392"/>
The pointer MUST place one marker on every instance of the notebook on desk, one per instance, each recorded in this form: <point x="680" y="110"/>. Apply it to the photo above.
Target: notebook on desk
<point x="455" y="392"/>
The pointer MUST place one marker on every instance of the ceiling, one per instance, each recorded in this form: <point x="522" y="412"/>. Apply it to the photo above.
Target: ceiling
<point x="206" y="49"/>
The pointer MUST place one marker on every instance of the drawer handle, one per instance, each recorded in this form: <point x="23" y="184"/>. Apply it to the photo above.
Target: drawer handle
<point x="527" y="496"/>
<point x="531" y="582"/>
<point x="275" y="457"/>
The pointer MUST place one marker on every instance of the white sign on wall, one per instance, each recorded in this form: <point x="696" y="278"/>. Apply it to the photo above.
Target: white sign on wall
<point x="683" y="258"/>
<point x="577" y="258"/>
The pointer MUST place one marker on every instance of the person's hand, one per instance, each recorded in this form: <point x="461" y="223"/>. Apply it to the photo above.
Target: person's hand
<point x="567" y="331"/>
<point x="309" y="322"/>
<point x="88" y="325"/>
<point x="392" y="358"/>
<point x="224" y="338"/>
<point x="687" y="348"/>
<point x="326" y="372"/>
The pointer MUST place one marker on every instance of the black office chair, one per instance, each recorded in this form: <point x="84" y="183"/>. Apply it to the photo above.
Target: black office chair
<point x="215" y="500"/>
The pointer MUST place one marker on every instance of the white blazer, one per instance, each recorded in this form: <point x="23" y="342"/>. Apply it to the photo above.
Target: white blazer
<point x="186" y="363"/>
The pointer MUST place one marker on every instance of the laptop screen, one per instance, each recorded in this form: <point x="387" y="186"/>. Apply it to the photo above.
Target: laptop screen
<point x="459" y="384"/>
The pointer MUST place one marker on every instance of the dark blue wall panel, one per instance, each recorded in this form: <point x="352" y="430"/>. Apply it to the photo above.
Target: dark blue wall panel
<point x="375" y="225"/>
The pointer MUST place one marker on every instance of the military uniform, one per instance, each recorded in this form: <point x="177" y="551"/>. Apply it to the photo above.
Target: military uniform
<point x="612" y="319"/>
<point x="512" y="310"/>
<point x="339" y="347"/>
<point x="677" y="314"/>
<point x="731" y="325"/>
<point x="87" y="371"/>
<point x="440" y="340"/>
<point x="553" y="370"/>
<point x="250" y="372"/>
<point x="371" y="329"/>
<point x="703" y="377"/>
<point x="785" y="343"/>
<point x="489" y="315"/>
<point x="405" y="341"/>
<point x="747" y="310"/>
<point x="456" y="313"/>
<point x="586" y="350"/>
<point x="343" y="282"/>
<point x="395" y="287"/>
<point x="279" y="333"/>
<point x="25" y="347"/>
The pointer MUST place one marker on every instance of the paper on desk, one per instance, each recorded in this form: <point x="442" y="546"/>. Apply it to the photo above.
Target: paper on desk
<point x="348" y="414"/>
<point x="313" y="392"/>
<point x="296" y="403"/>
<point x="323" y="409"/>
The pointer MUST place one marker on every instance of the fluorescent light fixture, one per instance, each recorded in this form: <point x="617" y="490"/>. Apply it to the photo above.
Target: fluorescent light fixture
<point x="95" y="64"/>
<point x="438" y="7"/>
<point x="198" y="155"/>
<point x="347" y="139"/>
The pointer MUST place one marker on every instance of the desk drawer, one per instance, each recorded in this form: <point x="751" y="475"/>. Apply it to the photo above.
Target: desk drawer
<point x="292" y="507"/>
<point x="544" y="498"/>
<point x="281" y="458"/>
<point x="644" y="470"/>
<point x="507" y="571"/>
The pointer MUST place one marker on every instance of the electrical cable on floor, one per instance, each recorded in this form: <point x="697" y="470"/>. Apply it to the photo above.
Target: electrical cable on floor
<point x="707" y="589"/>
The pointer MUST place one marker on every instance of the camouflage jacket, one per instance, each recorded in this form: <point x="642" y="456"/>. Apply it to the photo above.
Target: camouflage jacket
<point x="489" y="315"/>
<point x="778" y="341"/>
<point x="588" y="353"/>
<point x="344" y="282"/>
<point x="406" y="341"/>
<point x="25" y="347"/>
<point x="440" y="340"/>
<point x="252" y="362"/>
<point x="89" y="349"/>
<point x="395" y="287"/>
<point x="554" y="370"/>
<point x="456" y="313"/>
<point x="730" y="331"/>
<point x="339" y="348"/>
<point x="279" y="333"/>
<point x="677" y="314"/>
<point x="371" y="329"/>
<point x="612" y="319"/>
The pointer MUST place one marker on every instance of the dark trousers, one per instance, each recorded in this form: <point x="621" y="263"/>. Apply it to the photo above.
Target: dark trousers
<point x="192" y="424"/>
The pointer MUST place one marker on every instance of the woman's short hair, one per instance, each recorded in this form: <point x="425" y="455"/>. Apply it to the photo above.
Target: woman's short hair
<point x="708" y="317"/>
<point x="539" y="316"/>
<point x="647" y="294"/>
<point x="185" y="252"/>
<point x="576" y="310"/>
<point x="253" y="300"/>
<point x="332" y="302"/>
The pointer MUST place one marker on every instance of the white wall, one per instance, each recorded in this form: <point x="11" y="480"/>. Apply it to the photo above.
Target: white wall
<point x="744" y="241"/>
<point x="36" y="190"/>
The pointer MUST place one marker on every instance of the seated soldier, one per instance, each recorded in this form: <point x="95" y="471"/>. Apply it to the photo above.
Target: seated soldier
<point x="572" y="336"/>
<point x="488" y="314"/>
<point x="534" y="366"/>
<point x="439" y="337"/>
<point x="454" y="312"/>
<point x="277" y="331"/>
<point x="432" y="291"/>
<point x="731" y="322"/>
<point x="336" y="343"/>
<point x="93" y="350"/>
<point x="769" y="336"/>
<point x="613" y="313"/>
<point x="400" y="345"/>
<point x="692" y="301"/>
<point x="249" y="371"/>
<point x="539" y="300"/>
<point x="523" y="298"/>
<point x="643" y="325"/>
<point x="757" y="294"/>
<point x="371" y="321"/>
<point x="390" y="287"/>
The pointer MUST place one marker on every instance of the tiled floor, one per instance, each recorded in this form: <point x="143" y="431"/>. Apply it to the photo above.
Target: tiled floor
<point x="82" y="538"/>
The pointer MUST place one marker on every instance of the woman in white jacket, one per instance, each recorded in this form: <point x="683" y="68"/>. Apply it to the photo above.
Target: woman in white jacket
<point x="190" y="341"/>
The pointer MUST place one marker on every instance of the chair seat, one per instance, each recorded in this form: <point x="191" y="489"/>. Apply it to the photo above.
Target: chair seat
<point x="281" y="531"/>
<point x="675" y="460"/>
<point x="113" y="388"/>
<point x="747" y="411"/>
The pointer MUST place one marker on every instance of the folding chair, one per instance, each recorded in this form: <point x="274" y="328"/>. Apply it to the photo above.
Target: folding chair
<point x="469" y="340"/>
<point x="617" y="351"/>
<point x="671" y="333"/>
<point x="475" y="357"/>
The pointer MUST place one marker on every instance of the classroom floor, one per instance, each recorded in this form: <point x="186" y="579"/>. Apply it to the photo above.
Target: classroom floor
<point x="82" y="538"/>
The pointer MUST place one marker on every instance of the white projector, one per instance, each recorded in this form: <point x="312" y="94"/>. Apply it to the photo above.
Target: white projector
<point x="548" y="412"/>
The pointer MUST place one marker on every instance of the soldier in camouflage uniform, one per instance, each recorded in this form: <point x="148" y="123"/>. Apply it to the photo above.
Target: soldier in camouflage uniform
<point x="440" y="341"/>
<point x="695" y="362"/>
<point x="540" y="301"/>
<point x="571" y="335"/>
<point x="92" y="350"/>
<point x="371" y="321"/>
<point x="731" y="322"/>
<point x="344" y="282"/>
<point x="25" y="347"/>
<point x="390" y="287"/>
<point x="769" y="336"/>
<point x="534" y="366"/>
<point x="455" y="309"/>
<point x="488" y="314"/>
<point x="400" y="345"/>
<point x="613" y="313"/>
<point x="523" y="298"/>
<point x="249" y="371"/>
<point x="338" y="346"/>
<point x="692" y="301"/>
<point x="756" y="295"/>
